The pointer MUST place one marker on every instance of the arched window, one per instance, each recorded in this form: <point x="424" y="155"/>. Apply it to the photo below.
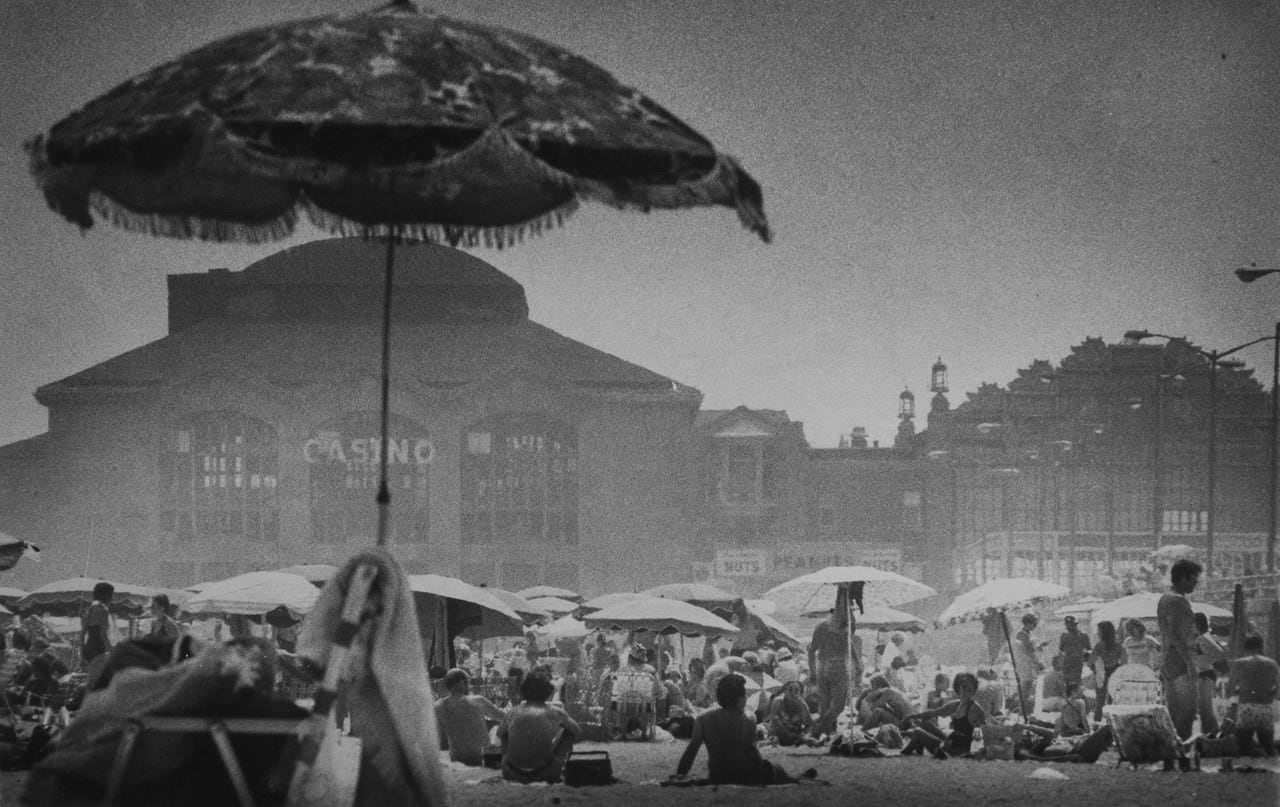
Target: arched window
<point x="218" y="478"/>
<point x="520" y="481"/>
<point x="342" y="458"/>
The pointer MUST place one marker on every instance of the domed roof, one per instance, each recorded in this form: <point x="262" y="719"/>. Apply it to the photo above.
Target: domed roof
<point x="359" y="261"/>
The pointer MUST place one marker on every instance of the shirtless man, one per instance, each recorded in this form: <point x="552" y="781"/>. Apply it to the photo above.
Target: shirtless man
<point x="464" y="719"/>
<point x="536" y="737"/>
<point x="1254" y="680"/>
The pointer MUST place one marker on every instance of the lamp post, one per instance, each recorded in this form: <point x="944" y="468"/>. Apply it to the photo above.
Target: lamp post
<point x="1215" y="358"/>
<point x="1248" y="274"/>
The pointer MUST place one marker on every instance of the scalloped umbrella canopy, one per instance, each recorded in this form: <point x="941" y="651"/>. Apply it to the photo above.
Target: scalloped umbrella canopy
<point x="1143" y="606"/>
<point x="1000" y="594"/>
<point x="816" y="591"/>
<point x="280" y="597"/>
<point x="556" y="606"/>
<point x="390" y="121"/>
<point x="71" y="596"/>
<point x="660" y="616"/>
<point x="386" y="122"/>
<point x="536" y="592"/>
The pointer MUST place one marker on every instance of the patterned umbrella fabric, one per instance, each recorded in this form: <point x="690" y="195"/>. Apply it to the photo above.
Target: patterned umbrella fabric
<point x="71" y="596"/>
<point x="1000" y="594"/>
<point x="280" y="597"/>
<point x="816" y="591"/>
<point x="660" y="616"/>
<point x="535" y="592"/>
<point x="1143" y="606"/>
<point x="434" y="127"/>
<point x="388" y="122"/>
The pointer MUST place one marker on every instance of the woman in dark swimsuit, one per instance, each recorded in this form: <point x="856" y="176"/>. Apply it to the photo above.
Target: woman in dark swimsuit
<point x="966" y="716"/>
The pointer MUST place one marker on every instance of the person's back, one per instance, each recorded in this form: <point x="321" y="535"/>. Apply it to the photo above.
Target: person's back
<point x="536" y="737"/>
<point x="730" y="737"/>
<point x="462" y="719"/>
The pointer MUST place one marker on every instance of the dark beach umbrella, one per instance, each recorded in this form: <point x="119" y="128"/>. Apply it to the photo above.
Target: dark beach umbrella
<point x="388" y="123"/>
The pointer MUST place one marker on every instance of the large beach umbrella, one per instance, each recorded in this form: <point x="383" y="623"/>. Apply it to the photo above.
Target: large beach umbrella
<point x="1143" y="606"/>
<point x="278" y="597"/>
<point x="467" y="608"/>
<point x="840" y="589"/>
<point x="71" y="596"/>
<point x="527" y="611"/>
<point x="882" y="617"/>
<point x="817" y="591"/>
<point x="10" y="595"/>
<point x="316" y="573"/>
<point x="389" y="122"/>
<point x="536" y="592"/>
<point x="999" y="596"/>
<point x="703" y="595"/>
<point x="607" y="601"/>
<point x="556" y="606"/>
<point x="14" y="549"/>
<point x="660" y="616"/>
<point x="566" y="627"/>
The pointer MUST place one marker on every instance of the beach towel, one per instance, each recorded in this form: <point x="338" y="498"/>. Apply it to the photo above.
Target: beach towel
<point x="388" y="695"/>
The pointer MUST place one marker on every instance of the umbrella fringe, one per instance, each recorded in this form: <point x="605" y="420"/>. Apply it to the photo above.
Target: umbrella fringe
<point x="189" y="227"/>
<point x="454" y="235"/>
<point x="726" y="185"/>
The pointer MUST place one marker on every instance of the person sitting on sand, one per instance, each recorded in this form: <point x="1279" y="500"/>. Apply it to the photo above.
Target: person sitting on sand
<point x="730" y="735"/>
<point x="789" y="717"/>
<point x="1254" y="679"/>
<point x="966" y="716"/>
<point x="882" y="704"/>
<point x="1073" y="717"/>
<point x="536" y="737"/>
<point x="990" y="695"/>
<point x="464" y="718"/>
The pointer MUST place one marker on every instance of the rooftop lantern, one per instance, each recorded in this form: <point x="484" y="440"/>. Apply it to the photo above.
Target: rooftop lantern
<point x="906" y="405"/>
<point x="938" y="378"/>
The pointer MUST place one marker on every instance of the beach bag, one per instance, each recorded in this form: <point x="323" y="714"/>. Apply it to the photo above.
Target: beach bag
<point x="589" y="768"/>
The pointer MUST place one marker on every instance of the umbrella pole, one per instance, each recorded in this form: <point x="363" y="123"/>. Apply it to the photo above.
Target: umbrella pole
<point x="384" y="490"/>
<point x="1022" y="706"/>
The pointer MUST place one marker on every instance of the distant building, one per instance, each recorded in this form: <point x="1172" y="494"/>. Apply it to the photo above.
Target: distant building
<point x="1083" y="469"/>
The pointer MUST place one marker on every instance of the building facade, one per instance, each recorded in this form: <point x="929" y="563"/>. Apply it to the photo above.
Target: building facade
<point x="1083" y="469"/>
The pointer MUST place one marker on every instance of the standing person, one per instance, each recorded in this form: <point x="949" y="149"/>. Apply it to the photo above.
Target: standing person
<point x="95" y="633"/>
<point x="464" y="718"/>
<point x="536" y="737"/>
<point x="1178" y="630"/>
<point x="828" y="666"/>
<point x="1026" y="660"/>
<point x="1254" y="680"/>
<point x="163" y="626"/>
<point x="1108" y="654"/>
<point x="1211" y="660"/>
<point x="1074" y="648"/>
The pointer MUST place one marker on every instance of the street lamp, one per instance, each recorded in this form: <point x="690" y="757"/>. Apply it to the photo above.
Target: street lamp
<point x="1215" y="358"/>
<point x="1248" y="274"/>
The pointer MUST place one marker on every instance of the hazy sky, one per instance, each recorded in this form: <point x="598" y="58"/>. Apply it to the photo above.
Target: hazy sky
<point x="990" y="182"/>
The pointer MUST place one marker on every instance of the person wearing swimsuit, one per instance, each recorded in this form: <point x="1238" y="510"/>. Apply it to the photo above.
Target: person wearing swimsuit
<point x="966" y="716"/>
